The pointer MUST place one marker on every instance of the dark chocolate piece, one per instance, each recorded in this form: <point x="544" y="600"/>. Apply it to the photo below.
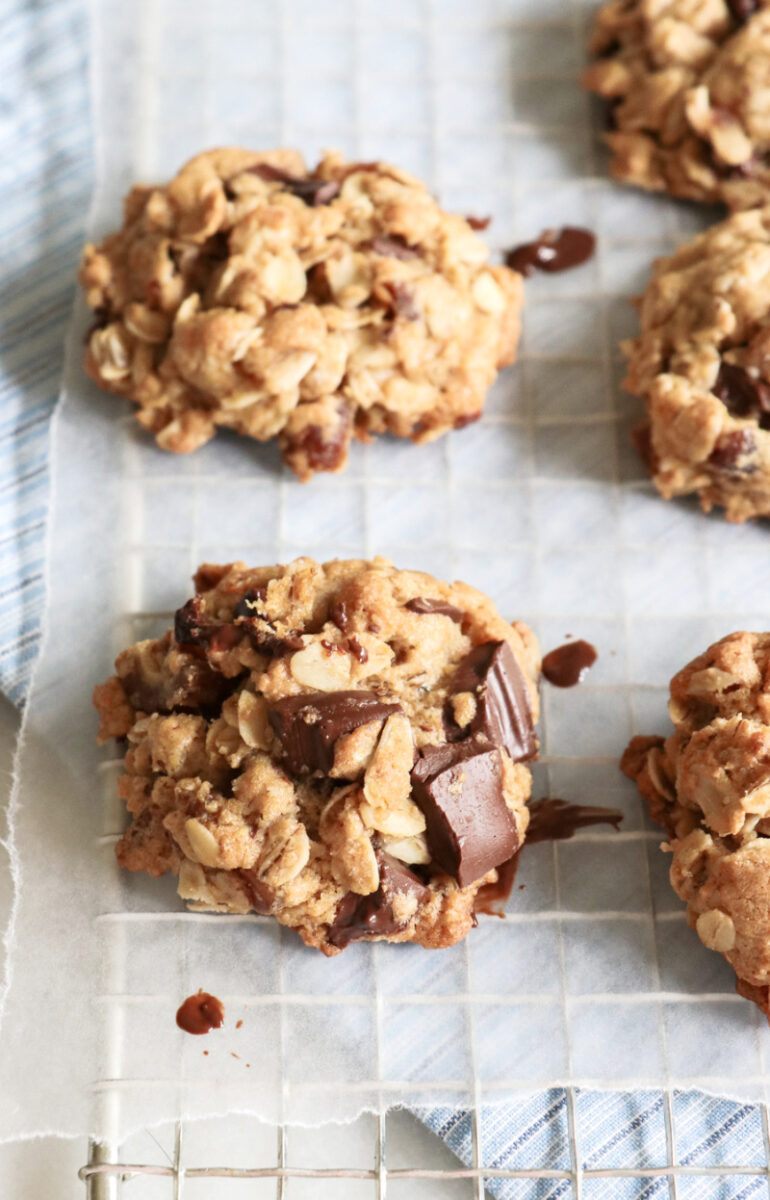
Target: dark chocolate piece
<point x="503" y="709"/>
<point x="200" y="1013"/>
<point x="393" y="246"/>
<point x="308" y="726"/>
<point x="554" y="250"/>
<point x="567" y="665"/>
<point x="403" y="300"/>
<point x="422" y="605"/>
<point x="372" y="916"/>
<point x="742" y="394"/>
<point x="324" y="447"/>
<point x="193" y="628"/>
<point x="247" y="605"/>
<point x="469" y="827"/>
<point x="743" y="10"/>
<point x="731" y="452"/>
<point x="260" y="895"/>
<point x="313" y="191"/>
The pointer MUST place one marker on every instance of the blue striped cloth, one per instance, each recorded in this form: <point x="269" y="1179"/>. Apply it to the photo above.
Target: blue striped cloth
<point x="47" y="174"/>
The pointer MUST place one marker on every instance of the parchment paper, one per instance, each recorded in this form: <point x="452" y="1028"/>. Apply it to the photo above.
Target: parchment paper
<point x="594" y="978"/>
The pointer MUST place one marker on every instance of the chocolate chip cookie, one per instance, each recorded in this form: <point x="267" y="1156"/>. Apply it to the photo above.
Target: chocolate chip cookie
<point x="702" y="365"/>
<point x="708" y="785"/>
<point x="314" y="307"/>
<point x="687" y="82"/>
<point x="342" y="746"/>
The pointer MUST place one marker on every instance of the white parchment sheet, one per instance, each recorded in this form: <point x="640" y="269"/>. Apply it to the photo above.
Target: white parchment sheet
<point x="593" y="978"/>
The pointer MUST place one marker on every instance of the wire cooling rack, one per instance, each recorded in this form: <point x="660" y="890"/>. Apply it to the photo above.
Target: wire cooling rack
<point x="536" y="164"/>
<point x="576" y="1179"/>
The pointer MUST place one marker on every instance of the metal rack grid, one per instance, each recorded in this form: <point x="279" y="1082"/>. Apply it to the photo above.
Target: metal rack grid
<point x="105" y="1168"/>
<point x="104" y="1171"/>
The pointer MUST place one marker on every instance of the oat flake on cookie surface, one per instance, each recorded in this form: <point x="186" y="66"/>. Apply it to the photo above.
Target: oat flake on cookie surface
<point x="708" y="785"/>
<point x="702" y="365"/>
<point x="688" y="82"/>
<point x="341" y="746"/>
<point x="314" y="307"/>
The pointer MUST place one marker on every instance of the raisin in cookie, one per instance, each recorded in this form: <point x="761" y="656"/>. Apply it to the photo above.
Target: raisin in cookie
<point x="311" y="307"/>
<point x="702" y="365"/>
<point x="688" y="82"/>
<point x="708" y="784"/>
<point x="340" y="746"/>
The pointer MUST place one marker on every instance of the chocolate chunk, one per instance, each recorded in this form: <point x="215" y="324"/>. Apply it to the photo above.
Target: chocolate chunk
<point x="191" y="626"/>
<point x="503" y="709"/>
<point x="554" y="250"/>
<point x="393" y="246"/>
<point x="308" y="726"/>
<point x="743" y="10"/>
<point x="469" y="827"/>
<point x="313" y="191"/>
<point x="566" y="665"/>
<point x="260" y="895"/>
<point x="742" y="394"/>
<point x="422" y="605"/>
<point x="247" y="605"/>
<point x="322" y="447"/>
<point x="479" y="223"/>
<point x="403" y="300"/>
<point x="102" y="316"/>
<point x="373" y="916"/>
<point x="731" y="452"/>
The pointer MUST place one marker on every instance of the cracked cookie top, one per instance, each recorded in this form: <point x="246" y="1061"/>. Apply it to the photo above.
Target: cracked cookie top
<point x="342" y="746"/>
<point x="687" y="82"/>
<point x="708" y="784"/>
<point x="702" y="364"/>
<point x="311" y="306"/>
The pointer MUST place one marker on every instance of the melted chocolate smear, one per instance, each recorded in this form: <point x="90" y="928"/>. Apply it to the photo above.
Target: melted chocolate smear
<point x="479" y="223"/>
<point x="200" y="1013"/>
<point x="314" y="192"/>
<point x="549" y="820"/>
<point x="733" y="453"/>
<point x="567" y="665"/>
<point x="428" y="607"/>
<point x="372" y="916"/>
<point x="309" y="726"/>
<point x="742" y="394"/>
<point x="503" y="710"/>
<point x="554" y="250"/>
<point x="469" y="827"/>
<point x="556" y="820"/>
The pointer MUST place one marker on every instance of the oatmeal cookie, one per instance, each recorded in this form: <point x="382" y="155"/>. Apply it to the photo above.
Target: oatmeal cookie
<point x="341" y="746"/>
<point x="708" y="785"/>
<point x="689" y="86"/>
<point x="702" y="365"/>
<point x="313" y="307"/>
